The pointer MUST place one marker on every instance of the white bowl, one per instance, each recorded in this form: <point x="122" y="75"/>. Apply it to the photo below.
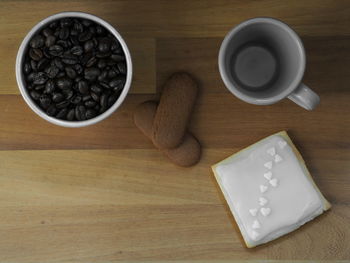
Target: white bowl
<point x="20" y="76"/>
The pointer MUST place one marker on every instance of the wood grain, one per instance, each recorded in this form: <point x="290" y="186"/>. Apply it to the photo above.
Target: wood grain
<point x="104" y="194"/>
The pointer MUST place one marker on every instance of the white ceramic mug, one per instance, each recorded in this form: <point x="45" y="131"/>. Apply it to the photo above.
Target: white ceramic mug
<point x="262" y="61"/>
<point x="22" y="84"/>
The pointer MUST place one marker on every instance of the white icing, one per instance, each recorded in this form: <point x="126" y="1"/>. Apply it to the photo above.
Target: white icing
<point x="291" y="204"/>
<point x="265" y="211"/>
<point x="282" y="144"/>
<point x="256" y="224"/>
<point x="253" y="211"/>
<point x="278" y="158"/>
<point x="263" y="188"/>
<point x="274" y="182"/>
<point x="262" y="201"/>
<point x="268" y="165"/>
<point x="268" y="175"/>
<point x="271" y="151"/>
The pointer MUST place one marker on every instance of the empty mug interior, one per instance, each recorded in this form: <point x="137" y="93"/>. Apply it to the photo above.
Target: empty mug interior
<point x="286" y="48"/>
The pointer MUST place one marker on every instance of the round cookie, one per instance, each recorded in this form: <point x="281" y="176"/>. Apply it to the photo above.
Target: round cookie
<point x="186" y="154"/>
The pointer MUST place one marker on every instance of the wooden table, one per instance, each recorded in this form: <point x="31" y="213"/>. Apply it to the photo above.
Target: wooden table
<point x="103" y="193"/>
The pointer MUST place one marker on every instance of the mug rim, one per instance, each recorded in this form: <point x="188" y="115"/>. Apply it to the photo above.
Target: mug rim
<point x="241" y="95"/>
<point x="20" y="76"/>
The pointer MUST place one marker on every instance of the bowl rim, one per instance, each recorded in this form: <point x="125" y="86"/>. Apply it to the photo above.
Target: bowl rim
<point x="20" y="76"/>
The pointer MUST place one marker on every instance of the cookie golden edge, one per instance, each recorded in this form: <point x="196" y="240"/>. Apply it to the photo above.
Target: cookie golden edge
<point x="326" y="205"/>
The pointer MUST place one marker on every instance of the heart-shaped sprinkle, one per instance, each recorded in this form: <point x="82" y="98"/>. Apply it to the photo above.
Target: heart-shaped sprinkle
<point x="268" y="175"/>
<point x="262" y="201"/>
<point x="254" y="235"/>
<point x="265" y="211"/>
<point x="263" y="188"/>
<point x="268" y="165"/>
<point x="278" y="158"/>
<point x="256" y="224"/>
<point x="282" y="144"/>
<point x="253" y="211"/>
<point x="271" y="151"/>
<point x="274" y="182"/>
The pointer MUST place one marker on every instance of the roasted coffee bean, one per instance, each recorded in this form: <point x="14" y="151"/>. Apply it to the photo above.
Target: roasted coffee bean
<point x="39" y="88"/>
<point x="111" y="62"/>
<point x="90" y="103"/>
<point x="113" y="98"/>
<point x="116" y="82"/>
<point x="61" y="74"/>
<point x="68" y="93"/>
<point x="58" y="63"/>
<point x="103" y="54"/>
<point x="76" y="50"/>
<point x="86" y="22"/>
<point x="57" y="97"/>
<point x="42" y="64"/>
<point x="115" y="46"/>
<point x="104" y="100"/>
<point x="92" y="30"/>
<point x="74" y="40"/>
<point x="88" y="46"/>
<point x="73" y="32"/>
<point x="62" y="114"/>
<point x="117" y="57"/>
<point x="50" y="40"/>
<point x="80" y="112"/>
<point x="45" y="101"/>
<point x="103" y="76"/>
<point x="40" y="78"/>
<point x="63" y="104"/>
<point x="91" y="62"/>
<point x="35" y="54"/>
<point x="64" y="33"/>
<point x="83" y="87"/>
<point x="53" y="24"/>
<point x="91" y="73"/>
<point x="33" y="65"/>
<point x="104" y="45"/>
<point x="64" y="83"/>
<point x="95" y="97"/>
<point x="70" y="115"/>
<point x="63" y="43"/>
<point x="66" y="22"/>
<point x="122" y="67"/>
<point x="31" y="76"/>
<point x="56" y="50"/>
<point x="70" y="59"/>
<point x="37" y="41"/>
<point x="49" y="86"/>
<point x="76" y="100"/>
<point x="90" y="113"/>
<point x="27" y="68"/>
<point x="52" y="110"/>
<point x="70" y="72"/>
<point x="78" y="26"/>
<point x="96" y="88"/>
<point x="35" y="95"/>
<point x="97" y="108"/>
<point x="78" y="68"/>
<point x="86" y="35"/>
<point x="52" y="72"/>
<point x="29" y="87"/>
<point x="101" y="63"/>
<point x="100" y="30"/>
<point x="87" y="97"/>
<point x="47" y="32"/>
<point x="105" y="85"/>
<point x="113" y="72"/>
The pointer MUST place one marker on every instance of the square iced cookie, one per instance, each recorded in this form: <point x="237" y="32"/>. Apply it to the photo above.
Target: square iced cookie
<point x="269" y="190"/>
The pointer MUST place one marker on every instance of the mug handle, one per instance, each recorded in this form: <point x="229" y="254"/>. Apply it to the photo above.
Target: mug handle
<point x="304" y="97"/>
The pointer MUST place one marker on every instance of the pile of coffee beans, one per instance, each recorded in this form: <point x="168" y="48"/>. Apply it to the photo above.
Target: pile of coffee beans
<point x="74" y="69"/>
